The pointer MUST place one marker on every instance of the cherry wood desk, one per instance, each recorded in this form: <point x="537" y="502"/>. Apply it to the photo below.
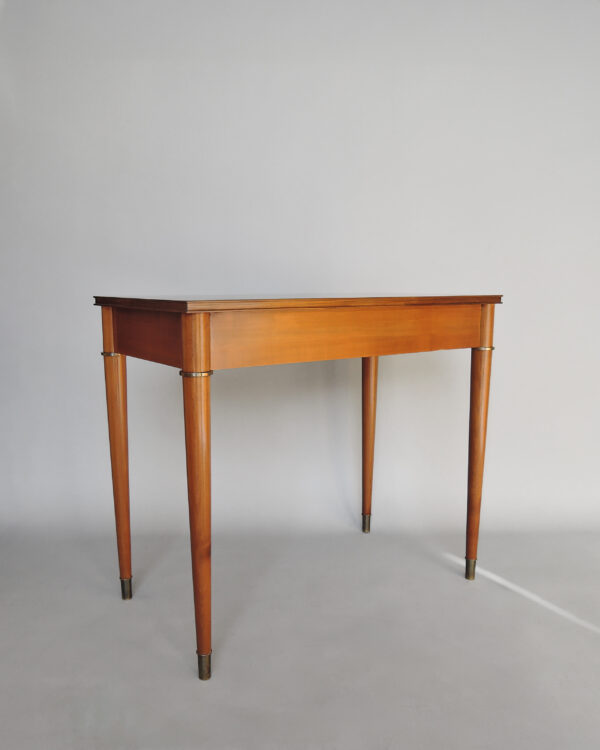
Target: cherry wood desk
<point x="200" y="337"/>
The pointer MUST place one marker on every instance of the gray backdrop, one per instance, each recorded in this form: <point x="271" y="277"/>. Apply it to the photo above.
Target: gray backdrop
<point x="278" y="148"/>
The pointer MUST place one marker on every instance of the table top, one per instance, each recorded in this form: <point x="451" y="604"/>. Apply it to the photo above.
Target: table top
<point x="209" y="304"/>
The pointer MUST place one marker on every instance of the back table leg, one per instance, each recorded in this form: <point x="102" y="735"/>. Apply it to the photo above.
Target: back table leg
<point x="369" y="404"/>
<point x="115" y="374"/>
<point x="481" y="367"/>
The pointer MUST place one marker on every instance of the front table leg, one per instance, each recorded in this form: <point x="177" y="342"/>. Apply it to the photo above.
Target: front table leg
<point x="481" y="367"/>
<point x="196" y="407"/>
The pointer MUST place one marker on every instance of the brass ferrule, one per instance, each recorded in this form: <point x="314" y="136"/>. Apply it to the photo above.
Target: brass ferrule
<point x="483" y="348"/>
<point x="110" y="354"/>
<point x="195" y="374"/>
<point x="204" y="666"/>
<point x="126" y="592"/>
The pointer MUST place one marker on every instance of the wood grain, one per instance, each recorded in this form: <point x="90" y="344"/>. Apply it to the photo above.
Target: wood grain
<point x="195" y="337"/>
<point x="481" y="367"/>
<point x="369" y="407"/>
<point x="196" y="408"/>
<point x="187" y="305"/>
<point x="115" y="375"/>
<point x="155" y="336"/>
<point x="268" y="337"/>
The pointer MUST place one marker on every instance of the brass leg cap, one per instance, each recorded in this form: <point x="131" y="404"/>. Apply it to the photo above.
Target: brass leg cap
<point x="366" y="523"/>
<point x="204" y="666"/>
<point x="470" y="569"/>
<point x="126" y="592"/>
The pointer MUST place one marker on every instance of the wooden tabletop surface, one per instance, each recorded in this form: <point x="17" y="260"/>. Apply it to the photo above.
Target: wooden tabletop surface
<point x="209" y="304"/>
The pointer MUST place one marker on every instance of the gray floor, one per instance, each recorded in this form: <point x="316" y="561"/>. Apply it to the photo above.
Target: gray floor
<point x="346" y="641"/>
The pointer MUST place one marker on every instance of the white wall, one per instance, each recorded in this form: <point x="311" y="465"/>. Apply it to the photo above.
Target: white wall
<point x="276" y="148"/>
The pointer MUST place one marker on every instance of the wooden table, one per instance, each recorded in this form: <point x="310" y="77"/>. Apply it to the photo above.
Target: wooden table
<point x="201" y="337"/>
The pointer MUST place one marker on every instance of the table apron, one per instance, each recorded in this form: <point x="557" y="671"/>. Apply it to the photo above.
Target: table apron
<point x="250" y="338"/>
<point x="269" y="337"/>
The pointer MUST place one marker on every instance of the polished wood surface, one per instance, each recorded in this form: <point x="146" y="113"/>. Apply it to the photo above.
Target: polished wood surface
<point x="269" y="337"/>
<point x="202" y="336"/>
<point x="196" y="409"/>
<point x="146" y="334"/>
<point x="481" y="367"/>
<point x="196" y="404"/>
<point x="255" y="337"/>
<point x="369" y="408"/>
<point x="187" y="305"/>
<point x="115" y="375"/>
<point x="196" y="348"/>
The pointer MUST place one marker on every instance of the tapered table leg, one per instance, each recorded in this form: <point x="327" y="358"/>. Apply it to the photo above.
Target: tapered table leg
<point x="115" y="374"/>
<point x="481" y="366"/>
<point x="369" y="406"/>
<point x="196" y="403"/>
